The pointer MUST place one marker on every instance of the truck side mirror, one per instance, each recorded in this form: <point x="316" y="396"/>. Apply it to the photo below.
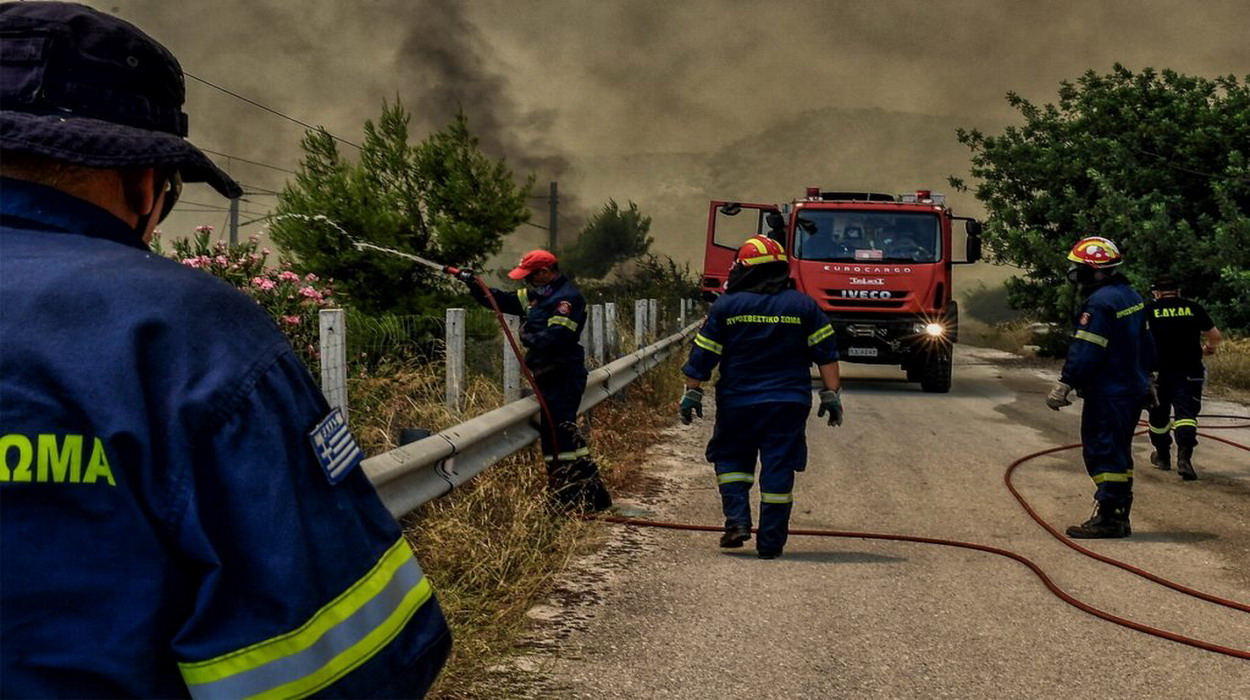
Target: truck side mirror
<point x="731" y="209"/>
<point x="973" y="229"/>
<point x="775" y="221"/>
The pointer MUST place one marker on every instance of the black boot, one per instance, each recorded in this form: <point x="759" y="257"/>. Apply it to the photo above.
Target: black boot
<point x="1184" y="467"/>
<point x="734" y="536"/>
<point x="1107" y="522"/>
<point x="1162" y="458"/>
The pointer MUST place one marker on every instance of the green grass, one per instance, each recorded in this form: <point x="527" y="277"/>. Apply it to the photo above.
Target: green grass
<point x="1229" y="368"/>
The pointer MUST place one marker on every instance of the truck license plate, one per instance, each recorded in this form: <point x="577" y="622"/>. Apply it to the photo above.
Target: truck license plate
<point x="861" y="352"/>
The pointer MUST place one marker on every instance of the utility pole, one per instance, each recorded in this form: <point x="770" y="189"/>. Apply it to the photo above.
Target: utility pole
<point x="552" y="239"/>
<point x="234" y="221"/>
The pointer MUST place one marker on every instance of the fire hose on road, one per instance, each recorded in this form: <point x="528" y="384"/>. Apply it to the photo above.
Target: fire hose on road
<point x="1037" y="570"/>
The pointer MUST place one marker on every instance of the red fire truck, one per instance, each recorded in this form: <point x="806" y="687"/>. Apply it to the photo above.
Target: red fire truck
<point x="878" y="264"/>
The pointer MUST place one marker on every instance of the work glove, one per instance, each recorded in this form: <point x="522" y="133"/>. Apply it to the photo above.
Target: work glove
<point x="1058" y="396"/>
<point x="831" y="403"/>
<point x="691" y="405"/>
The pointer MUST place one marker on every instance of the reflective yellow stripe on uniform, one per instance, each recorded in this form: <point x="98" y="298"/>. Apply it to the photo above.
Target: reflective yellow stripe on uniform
<point x="338" y="638"/>
<point x="1113" y="476"/>
<point x="708" y="344"/>
<point x="1130" y="310"/>
<point x="569" y="456"/>
<point x="1185" y="423"/>
<point x="1161" y="430"/>
<point x="563" y="321"/>
<point x="733" y="477"/>
<point x="523" y="296"/>
<point x="1092" y="337"/>
<point x="776" y="497"/>
<point x="820" y="335"/>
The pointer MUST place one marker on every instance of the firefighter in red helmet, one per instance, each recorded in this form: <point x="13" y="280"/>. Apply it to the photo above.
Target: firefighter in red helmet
<point x="1107" y="364"/>
<point x="764" y="335"/>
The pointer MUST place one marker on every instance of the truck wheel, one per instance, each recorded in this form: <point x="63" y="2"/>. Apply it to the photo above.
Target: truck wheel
<point x="935" y="376"/>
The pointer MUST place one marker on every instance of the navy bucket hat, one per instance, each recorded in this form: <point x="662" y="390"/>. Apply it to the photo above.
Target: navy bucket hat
<point x="88" y="88"/>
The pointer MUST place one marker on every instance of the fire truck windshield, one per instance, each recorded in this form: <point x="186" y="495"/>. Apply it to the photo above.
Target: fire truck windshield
<point x="845" y="234"/>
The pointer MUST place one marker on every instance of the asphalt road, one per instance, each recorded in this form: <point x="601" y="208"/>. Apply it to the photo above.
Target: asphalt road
<point x="666" y="614"/>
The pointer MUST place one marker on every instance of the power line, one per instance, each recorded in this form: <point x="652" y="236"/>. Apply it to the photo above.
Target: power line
<point x="250" y="162"/>
<point x="268" y="109"/>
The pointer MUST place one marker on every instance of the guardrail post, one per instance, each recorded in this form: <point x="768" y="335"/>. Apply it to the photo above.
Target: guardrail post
<point x="681" y="313"/>
<point x="596" y="333"/>
<point x="611" y="344"/>
<point x="653" y="319"/>
<point x="333" y="332"/>
<point x="455" y="357"/>
<point x="511" y="364"/>
<point x="640" y="324"/>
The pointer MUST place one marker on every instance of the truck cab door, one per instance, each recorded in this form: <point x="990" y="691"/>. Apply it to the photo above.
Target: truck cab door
<point x="729" y="225"/>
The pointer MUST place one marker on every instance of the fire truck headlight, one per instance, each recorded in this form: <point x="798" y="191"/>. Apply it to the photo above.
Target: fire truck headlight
<point x="934" y="330"/>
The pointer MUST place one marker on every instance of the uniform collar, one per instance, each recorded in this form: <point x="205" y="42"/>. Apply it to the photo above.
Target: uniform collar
<point x="31" y="205"/>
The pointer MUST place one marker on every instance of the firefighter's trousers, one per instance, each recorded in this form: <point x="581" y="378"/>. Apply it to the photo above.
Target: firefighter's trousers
<point x="1180" y="402"/>
<point x="1107" y="426"/>
<point x="775" y="434"/>
<point x="572" y="475"/>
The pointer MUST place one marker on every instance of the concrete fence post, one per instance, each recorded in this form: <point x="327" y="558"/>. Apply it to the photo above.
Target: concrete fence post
<point x="511" y="363"/>
<point x="333" y="332"/>
<point x="612" y="344"/>
<point x="653" y="320"/>
<point x="455" y="358"/>
<point x="596" y="334"/>
<point x="681" y="313"/>
<point x="640" y="324"/>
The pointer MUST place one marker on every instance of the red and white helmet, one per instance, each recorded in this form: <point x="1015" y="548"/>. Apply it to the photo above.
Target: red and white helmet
<point x="759" y="250"/>
<point x="1097" y="252"/>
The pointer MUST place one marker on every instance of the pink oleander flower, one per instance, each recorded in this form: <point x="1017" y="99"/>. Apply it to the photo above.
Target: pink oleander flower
<point x="254" y="238"/>
<point x="310" y="277"/>
<point x="221" y="260"/>
<point x="311" y="293"/>
<point x="291" y="320"/>
<point x="263" y="284"/>
<point x="204" y="228"/>
<point x="288" y="276"/>
<point x="265" y="251"/>
<point x="196" y="262"/>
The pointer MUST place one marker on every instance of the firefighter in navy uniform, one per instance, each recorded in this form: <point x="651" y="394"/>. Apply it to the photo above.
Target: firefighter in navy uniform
<point x="1108" y="365"/>
<point x="1183" y="333"/>
<point x="554" y="314"/>
<point x="181" y="513"/>
<point x="764" y="335"/>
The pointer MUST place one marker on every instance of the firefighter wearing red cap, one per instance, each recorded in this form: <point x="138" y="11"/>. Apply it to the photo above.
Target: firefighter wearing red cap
<point x="764" y="335"/>
<point x="1107" y="364"/>
<point x="555" y="315"/>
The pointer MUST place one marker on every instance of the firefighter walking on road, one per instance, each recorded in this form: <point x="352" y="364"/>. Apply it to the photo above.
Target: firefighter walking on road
<point x="1107" y="364"/>
<point x="1183" y="333"/>
<point x="764" y="335"/>
<point x="554" y="314"/>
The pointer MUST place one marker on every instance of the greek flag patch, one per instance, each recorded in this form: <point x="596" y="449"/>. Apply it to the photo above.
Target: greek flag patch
<point x="336" y="449"/>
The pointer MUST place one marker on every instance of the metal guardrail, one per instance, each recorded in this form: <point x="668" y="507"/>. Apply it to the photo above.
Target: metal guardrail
<point x="419" y="472"/>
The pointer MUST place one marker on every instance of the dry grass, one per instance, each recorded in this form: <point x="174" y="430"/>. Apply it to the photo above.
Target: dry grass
<point x="493" y="547"/>
<point x="1229" y="369"/>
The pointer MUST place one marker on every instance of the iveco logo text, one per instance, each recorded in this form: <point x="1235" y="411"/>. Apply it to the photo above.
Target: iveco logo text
<point x="869" y="281"/>
<point x="867" y="269"/>
<point x="864" y="294"/>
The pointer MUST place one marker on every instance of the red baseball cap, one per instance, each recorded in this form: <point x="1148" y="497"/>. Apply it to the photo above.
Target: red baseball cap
<point x="532" y="262"/>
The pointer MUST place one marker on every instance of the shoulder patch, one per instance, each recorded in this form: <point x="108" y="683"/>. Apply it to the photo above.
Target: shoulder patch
<point x="336" y="449"/>
<point x="1084" y="319"/>
<point x="564" y="308"/>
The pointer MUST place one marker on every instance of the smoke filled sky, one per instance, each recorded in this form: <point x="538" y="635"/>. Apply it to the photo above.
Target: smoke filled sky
<point x="656" y="101"/>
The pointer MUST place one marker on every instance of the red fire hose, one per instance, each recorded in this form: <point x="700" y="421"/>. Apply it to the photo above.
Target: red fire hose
<point x="1037" y="570"/>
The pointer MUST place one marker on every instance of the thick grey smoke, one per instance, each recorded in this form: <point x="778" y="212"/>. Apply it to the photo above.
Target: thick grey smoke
<point x="669" y="103"/>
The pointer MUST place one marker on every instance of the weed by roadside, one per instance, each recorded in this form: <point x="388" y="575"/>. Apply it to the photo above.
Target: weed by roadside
<point x="493" y="547"/>
<point x="1229" y="369"/>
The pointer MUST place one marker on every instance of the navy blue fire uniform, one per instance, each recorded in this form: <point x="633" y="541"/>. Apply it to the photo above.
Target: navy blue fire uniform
<point x="181" y="513"/>
<point x="1176" y="325"/>
<point x="1108" y="364"/>
<point x="554" y="317"/>
<point x="765" y="345"/>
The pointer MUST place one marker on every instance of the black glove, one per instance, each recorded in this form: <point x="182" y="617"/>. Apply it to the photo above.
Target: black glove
<point x="691" y="403"/>
<point x="831" y="403"/>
